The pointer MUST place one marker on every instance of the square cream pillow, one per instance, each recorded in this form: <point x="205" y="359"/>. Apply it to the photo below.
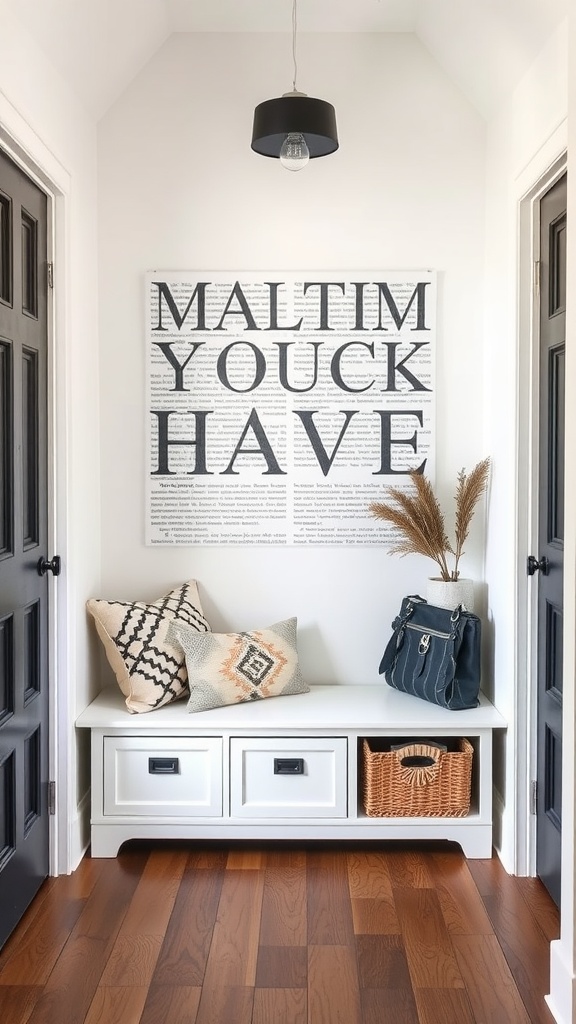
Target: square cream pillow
<point x="149" y="668"/>
<point x="231" y="668"/>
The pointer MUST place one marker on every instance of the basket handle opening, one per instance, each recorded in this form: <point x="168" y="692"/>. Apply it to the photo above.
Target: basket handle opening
<point x="417" y="761"/>
<point x="419" y="764"/>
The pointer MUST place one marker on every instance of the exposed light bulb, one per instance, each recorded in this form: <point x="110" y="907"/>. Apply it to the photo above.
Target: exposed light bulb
<point x="294" y="154"/>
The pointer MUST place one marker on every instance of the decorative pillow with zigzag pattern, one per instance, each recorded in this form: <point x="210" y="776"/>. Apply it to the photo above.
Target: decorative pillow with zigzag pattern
<point x="150" y="669"/>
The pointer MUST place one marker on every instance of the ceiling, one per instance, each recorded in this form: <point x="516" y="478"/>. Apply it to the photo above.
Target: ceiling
<point x="100" y="45"/>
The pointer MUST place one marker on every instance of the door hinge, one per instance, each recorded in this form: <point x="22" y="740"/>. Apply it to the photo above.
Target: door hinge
<point x="534" y="797"/>
<point x="51" y="798"/>
<point x="50" y="274"/>
<point x="537" y="276"/>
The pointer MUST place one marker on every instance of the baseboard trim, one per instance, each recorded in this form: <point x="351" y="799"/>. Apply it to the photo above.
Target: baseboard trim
<point x="80" y="832"/>
<point x="497" y="823"/>
<point x="561" y="1001"/>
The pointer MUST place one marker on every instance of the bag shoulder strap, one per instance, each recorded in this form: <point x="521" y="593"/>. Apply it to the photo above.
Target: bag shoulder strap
<point x="398" y="627"/>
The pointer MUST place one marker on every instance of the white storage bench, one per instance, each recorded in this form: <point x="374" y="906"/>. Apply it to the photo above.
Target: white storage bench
<point x="282" y="768"/>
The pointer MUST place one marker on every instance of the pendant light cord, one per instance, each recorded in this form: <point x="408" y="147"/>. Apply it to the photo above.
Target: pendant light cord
<point x="294" y="29"/>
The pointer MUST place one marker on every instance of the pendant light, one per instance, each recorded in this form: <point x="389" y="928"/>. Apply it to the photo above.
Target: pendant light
<point x="294" y="128"/>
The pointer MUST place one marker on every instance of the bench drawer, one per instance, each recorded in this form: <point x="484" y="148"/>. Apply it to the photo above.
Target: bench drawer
<point x="164" y="776"/>
<point x="288" y="778"/>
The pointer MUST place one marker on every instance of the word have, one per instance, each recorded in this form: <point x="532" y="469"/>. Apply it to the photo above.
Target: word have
<point x="264" y="450"/>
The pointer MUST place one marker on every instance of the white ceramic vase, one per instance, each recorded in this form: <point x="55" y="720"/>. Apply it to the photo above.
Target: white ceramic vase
<point x="449" y="594"/>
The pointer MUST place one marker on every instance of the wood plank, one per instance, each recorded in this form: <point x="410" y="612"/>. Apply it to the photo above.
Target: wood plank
<point x="382" y="962"/>
<point x="184" y="953"/>
<point x="541" y="906"/>
<point x="17" y="1002"/>
<point x="208" y="856"/>
<point x="230" y="1004"/>
<point x="328" y="899"/>
<point x="462" y="907"/>
<point x="526" y="949"/>
<point x="132" y="961"/>
<point x="524" y="920"/>
<point x="279" y="1006"/>
<point x="375" y="917"/>
<point x="234" y="950"/>
<point x="113" y="1005"/>
<point x="486" y="874"/>
<point x="245" y="857"/>
<point x="135" y="952"/>
<point x="389" y="1006"/>
<point x="151" y="904"/>
<point x="287" y="855"/>
<point x="368" y="875"/>
<point x="81" y="882"/>
<point x="445" y="1005"/>
<point x="284" y="909"/>
<point x="429" y="951"/>
<point x="409" y="866"/>
<point x="282" y="967"/>
<point x="167" y="1004"/>
<point x="489" y="983"/>
<point x="333" y="990"/>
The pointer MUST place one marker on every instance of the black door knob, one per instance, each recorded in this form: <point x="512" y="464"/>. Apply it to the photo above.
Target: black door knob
<point x="533" y="565"/>
<point x="54" y="566"/>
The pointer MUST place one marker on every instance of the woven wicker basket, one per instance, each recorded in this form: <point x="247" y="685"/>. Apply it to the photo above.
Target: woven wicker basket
<point x="441" y="790"/>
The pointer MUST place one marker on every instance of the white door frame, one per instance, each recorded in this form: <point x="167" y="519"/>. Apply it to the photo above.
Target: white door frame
<point x="536" y="178"/>
<point x="26" y="148"/>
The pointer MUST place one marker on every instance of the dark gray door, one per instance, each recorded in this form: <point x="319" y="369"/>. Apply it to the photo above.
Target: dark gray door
<point x="23" y="539"/>
<point x="551" y="534"/>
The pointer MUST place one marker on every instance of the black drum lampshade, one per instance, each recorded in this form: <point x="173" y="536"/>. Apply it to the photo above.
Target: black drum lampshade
<point x="294" y="114"/>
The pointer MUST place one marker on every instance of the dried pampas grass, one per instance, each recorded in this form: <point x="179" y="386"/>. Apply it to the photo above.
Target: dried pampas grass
<point x="419" y="520"/>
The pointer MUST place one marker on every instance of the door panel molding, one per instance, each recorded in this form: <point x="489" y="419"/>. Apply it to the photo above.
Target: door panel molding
<point x="536" y="178"/>
<point x="24" y="734"/>
<point x="21" y="143"/>
<point x="550" y="534"/>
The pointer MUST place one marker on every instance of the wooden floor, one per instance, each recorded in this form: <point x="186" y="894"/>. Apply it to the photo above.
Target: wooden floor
<point x="282" y="934"/>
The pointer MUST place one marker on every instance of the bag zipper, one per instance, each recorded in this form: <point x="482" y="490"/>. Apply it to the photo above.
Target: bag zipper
<point x="431" y="632"/>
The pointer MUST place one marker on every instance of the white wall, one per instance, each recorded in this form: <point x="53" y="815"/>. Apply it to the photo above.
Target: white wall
<point x="42" y="121"/>
<point x="179" y="188"/>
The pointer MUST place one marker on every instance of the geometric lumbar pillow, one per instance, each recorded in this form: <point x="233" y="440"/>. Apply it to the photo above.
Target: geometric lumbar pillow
<point x="150" y="669"/>
<point x="231" y="668"/>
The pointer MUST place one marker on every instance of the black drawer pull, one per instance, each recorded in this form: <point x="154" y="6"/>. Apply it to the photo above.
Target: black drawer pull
<point x="288" y="766"/>
<point x="163" y="766"/>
